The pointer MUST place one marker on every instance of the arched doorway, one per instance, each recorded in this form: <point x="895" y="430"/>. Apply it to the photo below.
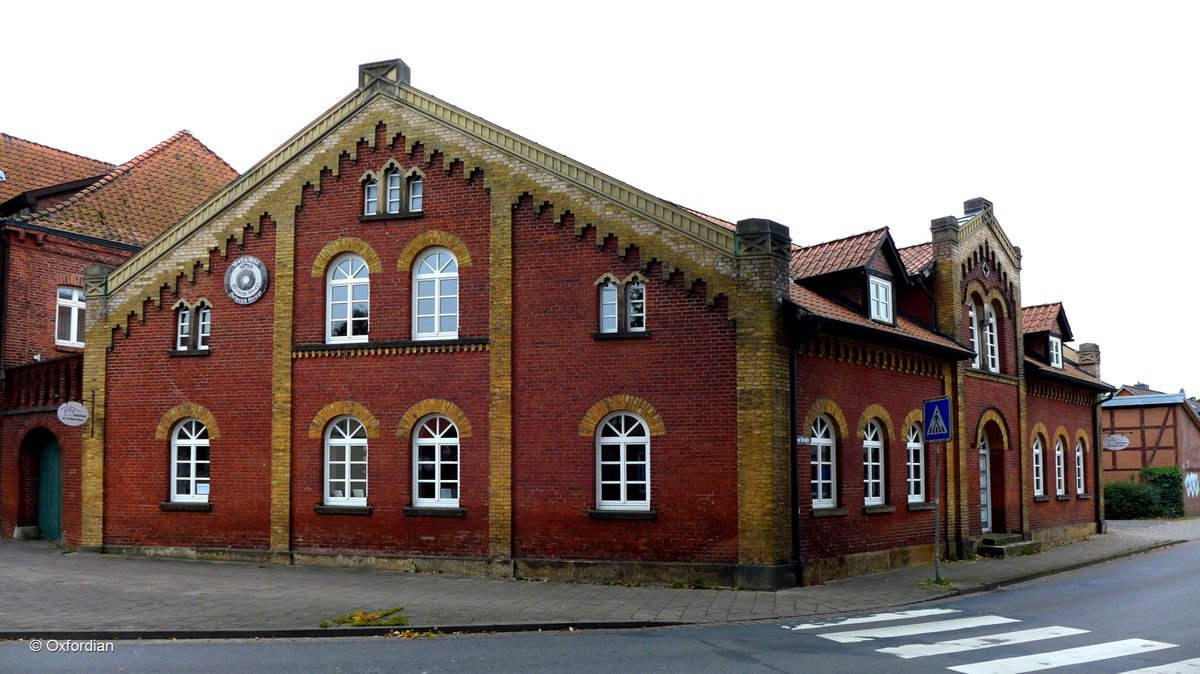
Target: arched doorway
<point x="41" y="484"/>
<point x="993" y="445"/>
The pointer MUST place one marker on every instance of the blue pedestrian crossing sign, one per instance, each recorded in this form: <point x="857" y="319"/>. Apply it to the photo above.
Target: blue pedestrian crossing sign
<point x="937" y="419"/>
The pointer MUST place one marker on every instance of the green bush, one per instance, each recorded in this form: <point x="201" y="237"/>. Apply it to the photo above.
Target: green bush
<point x="1129" y="501"/>
<point x="1167" y="483"/>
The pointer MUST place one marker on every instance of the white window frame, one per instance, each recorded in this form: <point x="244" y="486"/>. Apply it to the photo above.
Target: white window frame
<point x="343" y="436"/>
<point x="440" y="467"/>
<point x="1080" y="475"/>
<point x="881" y="299"/>
<point x="183" y="329"/>
<point x="436" y="269"/>
<point x="824" y="464"/>
<point x="75" y="306"/>
<point x="355" y="274"/>
<point x="204" y="328"/>
<point x="617" y="437"/>
<point x="416" y="194"/>
<point x="1039" y="473"/>
<point x="1060" y="468"/>
<point x="191" y="437"/>
<point x="635" y="306"/>
<point x="992" y="338"/>
<point x="394" y="192"/>
<point x="610" y="320"/>
<point x="371" y="196"/>
<point x="916" y="463"/>
<point x="974" y="327"/>
<point x="1056" y="352"/>
<point x="873" y="465"/>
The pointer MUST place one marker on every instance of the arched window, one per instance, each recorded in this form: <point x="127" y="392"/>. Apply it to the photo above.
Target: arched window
<point x="435" y="463"/>
<point x="824" y="464"/>
<point x="873" y="493"/>
<point x="183" y="329"/>
<point x="346" y="462"/>
<point x="1080" y="482"/>
<point x="393" y="191"/>
<point x="189" y="462"/>
<point x="416" y="194"/>
<point x="991" y="339"/>
<point x="635" y="306"/>
<point x="1039" y="475"/>
<point x="1060" y="467"/>
<point x="916" y="464"/>
<point x="435" y="295"/>
<point x="622" y="463"/>
<point x="973" y="327"/>
<point x="608" y="307"/>
<point x="370" y="197"/>
<point x="348" y="293"/>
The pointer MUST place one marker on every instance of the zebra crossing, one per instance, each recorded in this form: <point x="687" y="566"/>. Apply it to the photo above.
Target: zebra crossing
<point x="874" y="629"/>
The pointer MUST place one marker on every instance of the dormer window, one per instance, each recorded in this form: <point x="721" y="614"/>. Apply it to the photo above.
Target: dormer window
<point x="881" y="299"/>
<point x="1056" y="352"/>
<point x="370" y="197"/>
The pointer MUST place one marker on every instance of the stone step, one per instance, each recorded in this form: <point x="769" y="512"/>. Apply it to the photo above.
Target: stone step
<point x="1010" y="549"/>
<point x="996" y="538"/>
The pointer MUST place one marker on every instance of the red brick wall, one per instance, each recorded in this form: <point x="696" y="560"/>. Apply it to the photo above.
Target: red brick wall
<point x="686" y="370"/>
<point x="1052" y="414"/>
<point x="19" y="472"/>
<point x="854" y="388"/>
<point x="388" y="385"/>
<point x="983" y="395"/>
<point x="233" y="382"/>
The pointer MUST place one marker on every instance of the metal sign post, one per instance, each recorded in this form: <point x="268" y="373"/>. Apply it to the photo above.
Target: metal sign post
<point x="937" y="431"/>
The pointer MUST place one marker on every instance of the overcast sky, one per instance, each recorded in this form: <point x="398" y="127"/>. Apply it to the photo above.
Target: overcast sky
<point x="1078" y="120"/>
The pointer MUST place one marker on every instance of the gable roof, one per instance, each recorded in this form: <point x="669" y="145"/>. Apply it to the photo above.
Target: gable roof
<point x="134" y="202"/>
<point x="828" y="257"/>
<point x="1138" y="389"/>
<point x="1046" y="318"/>
<point x="31" y="166"/>
<point x="917" y="258"/>
<point x="1069" y="374"/>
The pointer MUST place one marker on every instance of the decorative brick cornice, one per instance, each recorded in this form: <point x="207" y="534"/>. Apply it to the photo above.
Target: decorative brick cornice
<point x="434" y="406"/>
<point x="622" y="402"/>
<point x="185" y="411"/>
<point x="386" y="350"/>
<point x="316" y="429"/>
<point x="429" y="239"/>
<point x="860" y="353"/>
<point x="346" y="244"/>
<point x="1060" y="393"/>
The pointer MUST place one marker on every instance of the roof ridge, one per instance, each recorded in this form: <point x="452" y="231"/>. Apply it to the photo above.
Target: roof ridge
<point x="1044" y="304"/>
<point x="43" y="145"/>
<point x="915" y="245"/>
<point x="846" y="238"/>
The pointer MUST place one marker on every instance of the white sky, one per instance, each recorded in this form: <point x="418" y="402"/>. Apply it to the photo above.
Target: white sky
<point x="1078" y="120"/>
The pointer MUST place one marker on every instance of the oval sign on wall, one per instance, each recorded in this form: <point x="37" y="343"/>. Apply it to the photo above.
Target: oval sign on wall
<point x="246" y="280"/>
<point x="1116" y="442"/>
<point x="72" y="413"/>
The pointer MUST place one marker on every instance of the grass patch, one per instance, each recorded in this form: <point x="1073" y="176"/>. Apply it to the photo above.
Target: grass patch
<point x="935" y="581"/>
<point x="389" y="618"/>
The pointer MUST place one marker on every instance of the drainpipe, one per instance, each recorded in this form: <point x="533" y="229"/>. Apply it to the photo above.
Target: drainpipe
<point x="1097" y="453"/>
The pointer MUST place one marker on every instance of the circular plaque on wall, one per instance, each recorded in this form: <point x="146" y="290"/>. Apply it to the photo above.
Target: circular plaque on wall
<point x="246" y="280"/>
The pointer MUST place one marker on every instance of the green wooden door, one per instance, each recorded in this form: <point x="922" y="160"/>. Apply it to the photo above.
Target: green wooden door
<point x="49" y="510"/>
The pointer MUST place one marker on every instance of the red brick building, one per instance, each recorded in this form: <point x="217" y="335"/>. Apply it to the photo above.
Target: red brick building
<point x="60" y="214"/>
<point x="415" y="338"/>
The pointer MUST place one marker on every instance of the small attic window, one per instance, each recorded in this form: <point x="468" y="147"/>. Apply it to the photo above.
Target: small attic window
<point x="881" y="299"/>
<point x="1056" y="352"/>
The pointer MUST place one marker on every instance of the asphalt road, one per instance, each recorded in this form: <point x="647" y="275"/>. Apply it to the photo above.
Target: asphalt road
<point x="1116" y="617"/>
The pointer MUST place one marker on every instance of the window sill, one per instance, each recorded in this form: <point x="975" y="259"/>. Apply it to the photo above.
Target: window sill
<point x="429" y="511"/>
<point x="920" y="505"/>
<point x="878" y="509"/>
<point x="829" y="512"/>
<point x="1063" y="497"/>
<point x="622" y="514"/>
<point x="186" y="506"/>
<point x="397" y="344"/>
<point x="1041" y="499"/>
<point x="68" y="348"/>
<point x="624" y="334"/>
<point x="1083" y="495"/>
<point x="189" y="352"/>
<point x="322" y="509"/>
<point x="404" y="215"/>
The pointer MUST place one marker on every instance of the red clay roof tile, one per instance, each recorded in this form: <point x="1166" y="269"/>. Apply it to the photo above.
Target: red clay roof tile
<point x="917" y="258"/>
<point x="822" y="306"/>
<point x="1041" y="318"/>
<point x="31" y="166"/>
<point x="831" y="256"/>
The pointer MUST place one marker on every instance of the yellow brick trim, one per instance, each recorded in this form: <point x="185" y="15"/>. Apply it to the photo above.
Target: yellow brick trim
<point x="622" y="402"/>
<point x="1081" y="434"/>
<point x="916" y="416"/>
<point x="504" y="192"/>
<point x="1039" y="429"/>
<point x="993" y="415"/>
<point x="316" y="429"/>
<point x="185" y="411"/>
<point x="434" y="406"/>
<point x="91" y="460"/>
<point x="876" y="411"/>
<point x="830" y="409"/>
<point x="281" y="381"/>
<point x="1061" y="432"/>
<point x="429" y="239"/>
<point x="989" y="296"/>
<point x="346" y="244"/>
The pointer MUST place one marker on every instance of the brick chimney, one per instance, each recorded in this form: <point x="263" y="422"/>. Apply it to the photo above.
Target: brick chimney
<point x="1089" y="359"/>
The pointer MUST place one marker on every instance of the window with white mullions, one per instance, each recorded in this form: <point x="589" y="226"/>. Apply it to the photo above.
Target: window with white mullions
<point x="435" y="300"/>
<point x="189" y="462"/>
<point x="393" y="191"/>
<point x="973" y="325"/>
<point x="435" y="454"/>
<point x="69" y="312"/>
<point x="349" y="300"/>
<point x="370" y="197"/>
<point x="635" y="301"/>
<point x="872" y="464"/>
<point x="881" y="299"/>
<point x="916" y="464"/>
<point x="991" y="337"/>
<point x="346" y="463"/>
<point x="1056" y="352"/>
<point x="1080" y="482"/>
<point x="608" y="307"/>
<point x="204" y="329"/>
<point x="416" y="194"/>
<point x="622" y="463"/>
<point x="1039" y="476"/>
<point x="1060" y="468"/>
<point x="824" y="464"/>
<point x="183" y="332"/>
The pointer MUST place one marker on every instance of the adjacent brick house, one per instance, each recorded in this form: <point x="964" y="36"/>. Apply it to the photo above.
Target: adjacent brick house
<point x="1163" y="429"/>
<point x="60" y="214"/>
<point x="411" y="336"/>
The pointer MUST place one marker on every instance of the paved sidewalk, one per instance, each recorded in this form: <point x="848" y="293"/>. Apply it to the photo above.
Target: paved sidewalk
<point x="49" y="593"/>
